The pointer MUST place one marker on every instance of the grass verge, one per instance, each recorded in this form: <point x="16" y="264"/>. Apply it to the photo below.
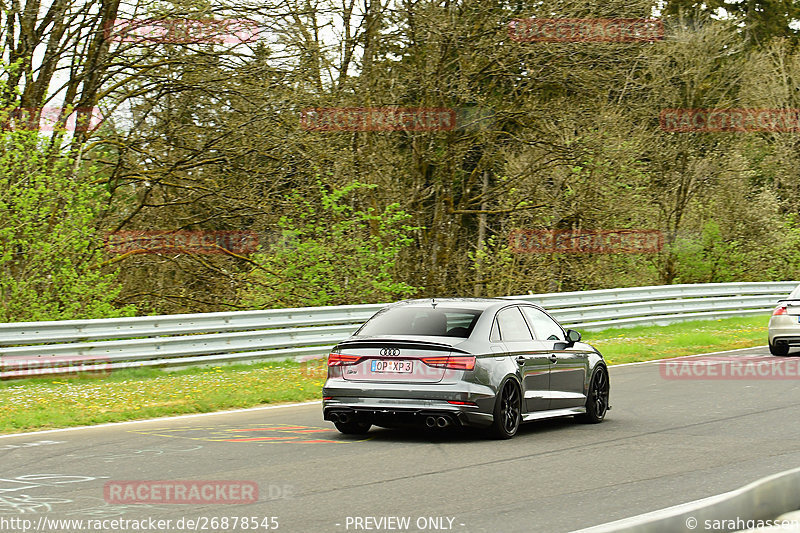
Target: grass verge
<point x="645" y="343"/>
<point x="32" y="404"/>
<point x="36" y="404"/>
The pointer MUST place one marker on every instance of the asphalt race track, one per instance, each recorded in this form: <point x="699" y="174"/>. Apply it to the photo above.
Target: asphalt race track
<point x="666" y="441"/>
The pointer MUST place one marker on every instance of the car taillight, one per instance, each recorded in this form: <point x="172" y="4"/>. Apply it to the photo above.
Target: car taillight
<point x="454" y="362"/>
<point x="780" y="310"/>
<point x="459" y="402"/>
<point x="341" y="359"/>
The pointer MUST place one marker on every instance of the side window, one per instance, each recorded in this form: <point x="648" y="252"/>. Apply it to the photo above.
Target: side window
<point x="494" y="336"/>
<point x="543" y="326"/>
<point x="512" y="325"/>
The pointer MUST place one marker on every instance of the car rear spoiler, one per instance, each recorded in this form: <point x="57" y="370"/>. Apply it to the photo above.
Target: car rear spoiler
<point x="407" y="343"/>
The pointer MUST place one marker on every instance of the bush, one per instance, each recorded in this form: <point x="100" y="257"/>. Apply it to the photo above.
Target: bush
<point x="50" y="247"/>
<point x="331" y="254"/>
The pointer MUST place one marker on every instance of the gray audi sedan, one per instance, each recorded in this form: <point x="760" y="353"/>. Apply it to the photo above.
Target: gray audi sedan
<point x="487" y="363"/>
<point x="784" y="324"/>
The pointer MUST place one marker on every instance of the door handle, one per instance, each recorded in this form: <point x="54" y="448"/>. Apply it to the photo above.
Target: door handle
<point x="521" y="360"/>
<point x="553" y="358"/>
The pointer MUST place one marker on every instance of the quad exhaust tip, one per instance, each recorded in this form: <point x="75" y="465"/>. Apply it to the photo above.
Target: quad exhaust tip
<point x="430" y="421"/>
<point x="437" y="421"/>
<point x="344" y="418"/>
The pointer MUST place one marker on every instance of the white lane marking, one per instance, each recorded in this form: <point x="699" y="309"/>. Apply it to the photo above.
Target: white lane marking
<point x="684" y="357"/>
<point x="24" y="502"/>
<point x="30" y="444"/>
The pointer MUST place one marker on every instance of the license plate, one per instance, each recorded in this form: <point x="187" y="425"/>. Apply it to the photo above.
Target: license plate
<point x="392" y="366"/>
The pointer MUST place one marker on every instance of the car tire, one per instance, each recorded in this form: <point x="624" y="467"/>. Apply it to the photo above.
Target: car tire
<point x="779" y="349"/>
<point x="596" y="397"/>
<point x="507" y="411"/>
<point x="353" y="427"/>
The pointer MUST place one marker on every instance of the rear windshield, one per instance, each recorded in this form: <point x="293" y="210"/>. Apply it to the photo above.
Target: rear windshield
<point x="438" y="322"/>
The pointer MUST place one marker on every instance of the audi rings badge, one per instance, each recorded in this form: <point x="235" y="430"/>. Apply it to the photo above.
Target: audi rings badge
<point x="394" y="352"/>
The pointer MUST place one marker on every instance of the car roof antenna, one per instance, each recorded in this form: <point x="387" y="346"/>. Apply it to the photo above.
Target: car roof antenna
<point x="433" y="303"/>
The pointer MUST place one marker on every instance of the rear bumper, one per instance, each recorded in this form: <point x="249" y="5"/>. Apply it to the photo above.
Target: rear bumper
<point x="784" y="329"/>
<point x="386" y="404"/>
<point x="791" y="340"/>
<point x="395" y="416"/>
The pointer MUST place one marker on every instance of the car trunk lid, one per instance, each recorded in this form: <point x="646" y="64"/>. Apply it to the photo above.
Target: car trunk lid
<point x="396" y="359"/>
<point x="792" y="307"/>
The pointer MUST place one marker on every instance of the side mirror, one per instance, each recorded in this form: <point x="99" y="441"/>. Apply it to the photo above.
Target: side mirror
<point x="573" y="336"/>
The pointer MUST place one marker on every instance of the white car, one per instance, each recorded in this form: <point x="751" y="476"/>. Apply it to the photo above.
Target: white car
<point x="784" y="324"/>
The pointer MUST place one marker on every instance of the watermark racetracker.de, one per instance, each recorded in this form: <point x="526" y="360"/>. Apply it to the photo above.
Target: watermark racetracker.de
<point x="184" y="242"/>
<point x="234" y="492"/>
<point x="613" y="30"/>
<point x="314" y="367"/>
<point x="45" y="523"/>
<point x="378" y="119"/>
<point x="52" y="118"/>
<point x="60" y="366"/>
<point x="470" y="118"/>
<point x="730" y="368"/>
<point x="183" y="31"/>
<point x="585" y="241"/>
<point x="730" y="120"/>
<point x="435" y="369"/>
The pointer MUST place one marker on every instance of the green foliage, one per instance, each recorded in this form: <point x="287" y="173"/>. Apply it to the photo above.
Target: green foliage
<point x="783" y="261"/>
<point x="711" y="257"/>
<point x="708" y="258"/>
<point x="332" y="254"/>
<point x="49" y="248"/>
<point x="572" y="140"/>
<point x="494" y="267"/>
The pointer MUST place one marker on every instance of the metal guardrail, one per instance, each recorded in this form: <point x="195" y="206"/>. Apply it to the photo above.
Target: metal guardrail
<point x="29" y="348"/>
